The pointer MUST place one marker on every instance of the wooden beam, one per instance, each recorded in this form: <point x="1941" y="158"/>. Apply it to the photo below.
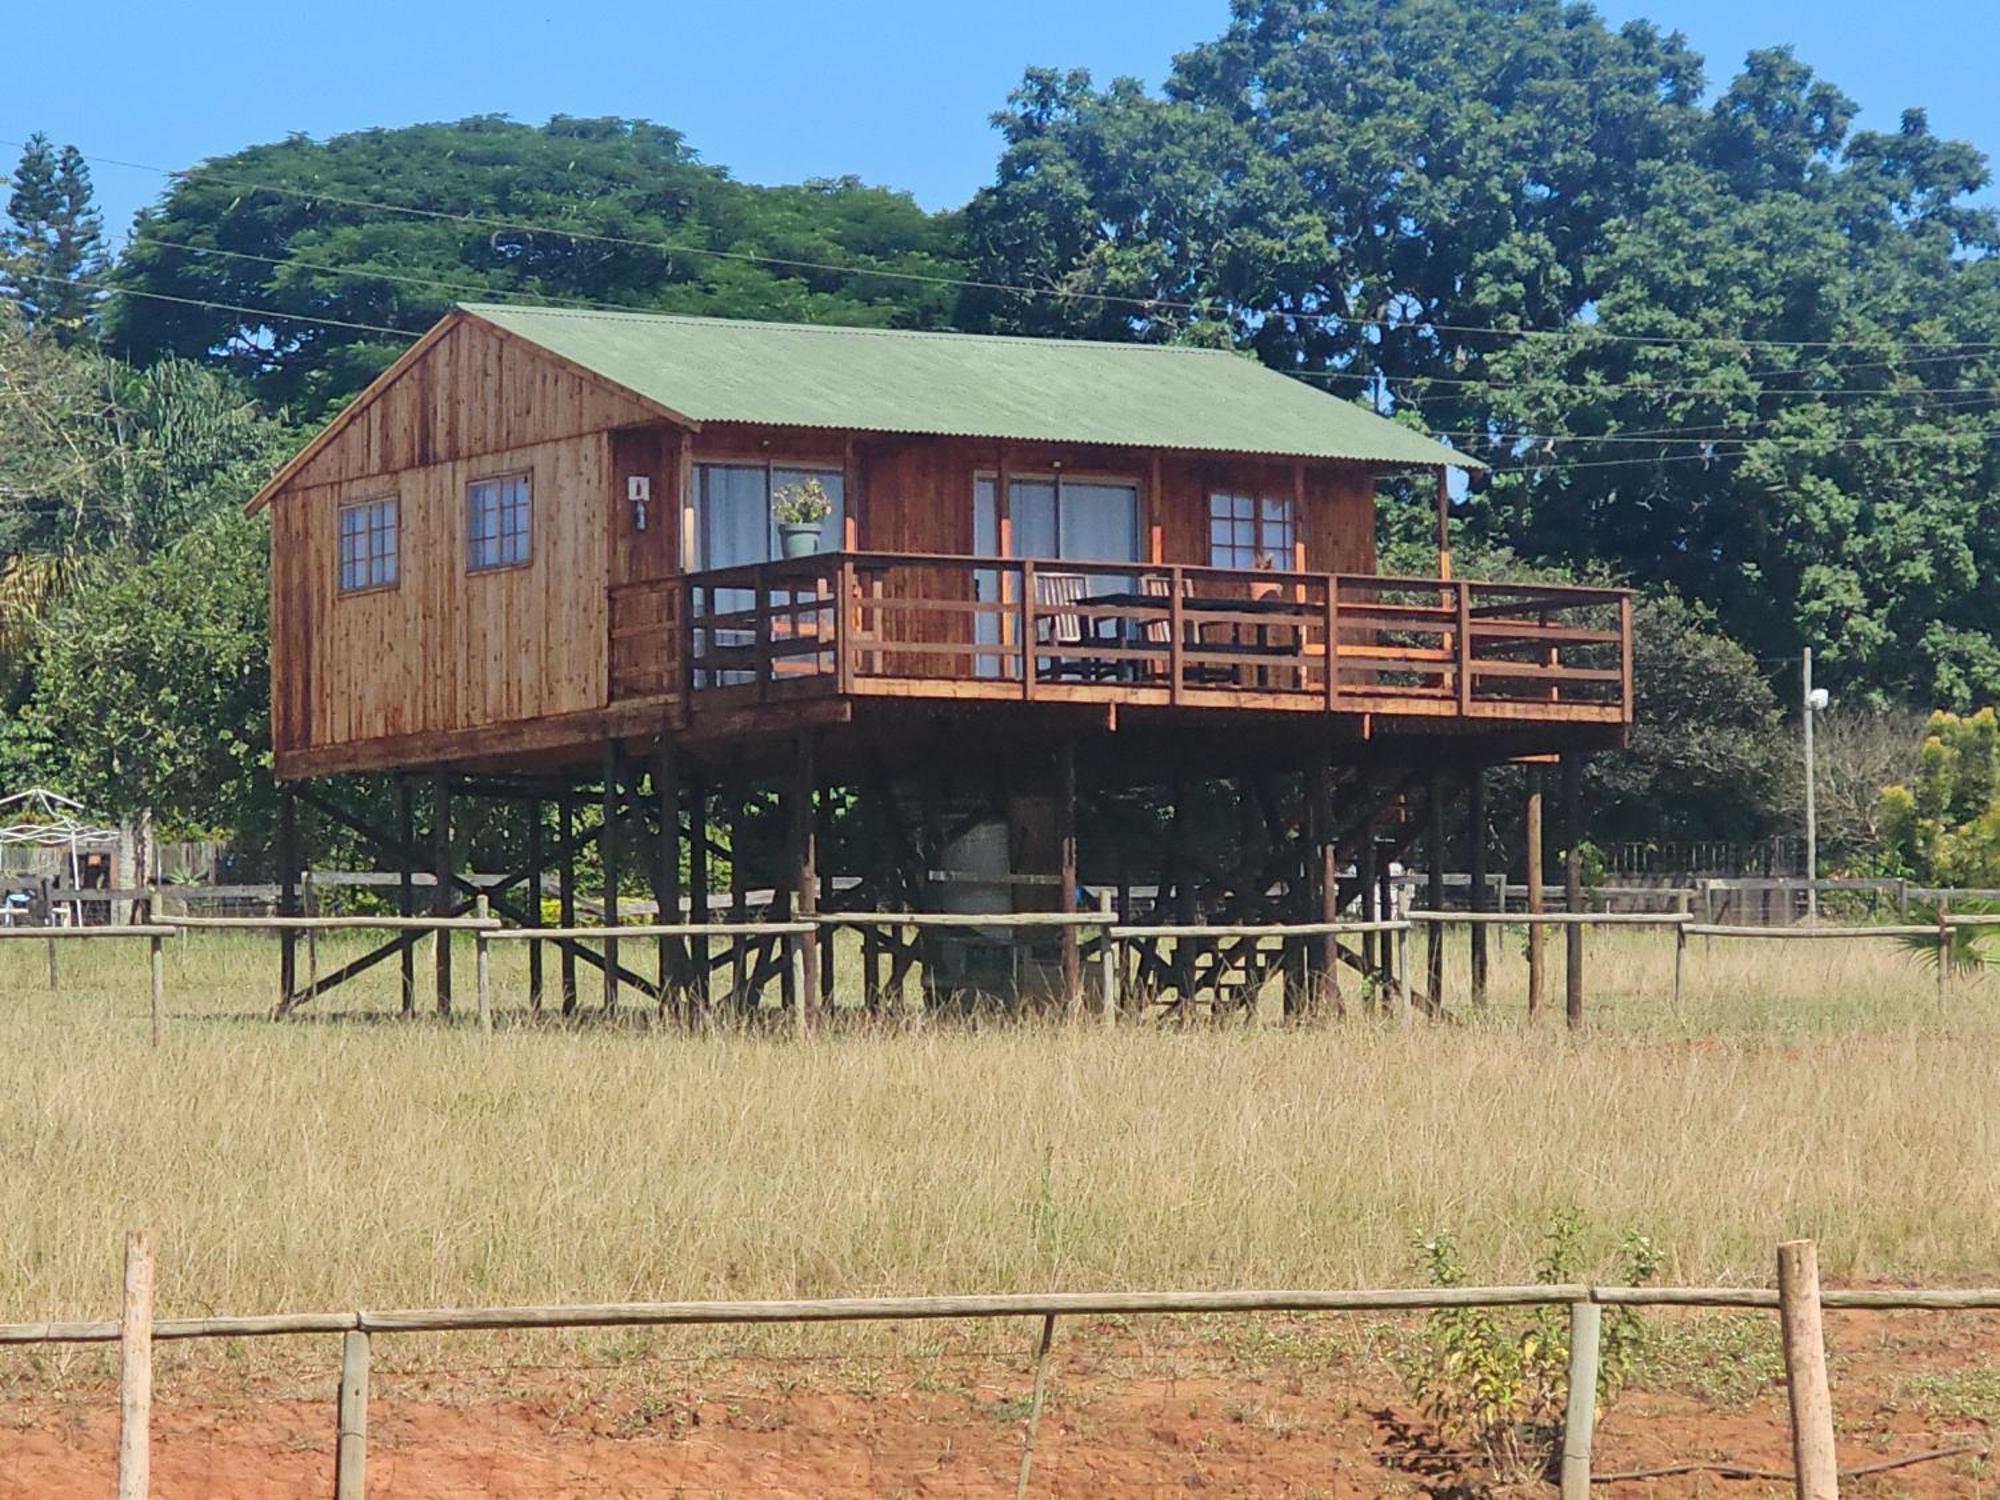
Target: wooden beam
<point x="1444" y="522"/>
<point x="288" y="895"/>
<point x="1434" y="859"/>
<point x="667" y="863"/>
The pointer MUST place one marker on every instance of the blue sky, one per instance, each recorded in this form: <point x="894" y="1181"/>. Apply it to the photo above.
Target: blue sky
<point x="895" y="91"/>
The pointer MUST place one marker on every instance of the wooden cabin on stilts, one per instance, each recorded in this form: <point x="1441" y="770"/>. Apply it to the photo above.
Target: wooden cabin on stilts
<point x="1080" y="620"/>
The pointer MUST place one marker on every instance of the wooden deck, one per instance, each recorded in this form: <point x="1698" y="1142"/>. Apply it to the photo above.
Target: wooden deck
<point x="855" y="625"/>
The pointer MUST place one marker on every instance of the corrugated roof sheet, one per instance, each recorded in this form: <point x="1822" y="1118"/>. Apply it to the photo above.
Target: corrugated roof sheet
<point x="974" y="385"/>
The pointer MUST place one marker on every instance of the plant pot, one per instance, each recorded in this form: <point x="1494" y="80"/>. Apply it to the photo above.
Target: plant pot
<point x="799" y="538"/>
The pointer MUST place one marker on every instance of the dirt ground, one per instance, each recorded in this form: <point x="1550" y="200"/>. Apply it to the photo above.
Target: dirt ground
<point x="1121" y="1420"/>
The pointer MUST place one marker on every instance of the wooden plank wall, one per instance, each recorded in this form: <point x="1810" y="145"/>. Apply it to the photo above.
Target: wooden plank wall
<point x="446" y="650"/>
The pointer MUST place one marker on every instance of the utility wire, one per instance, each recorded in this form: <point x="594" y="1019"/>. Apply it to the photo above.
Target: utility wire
<point x="1151" y="304"/>
<point x="562" y="300"/>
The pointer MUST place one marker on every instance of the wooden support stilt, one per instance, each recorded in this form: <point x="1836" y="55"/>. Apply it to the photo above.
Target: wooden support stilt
<point x="1322" y="856"/>
<point x="288" y="894"/>
<point x="822" y="841"/>
<point x="801" y="841"/>
<point x="696" y="799"/>
<point x="1072" y="958"/>
<point x="1537" y="934"/>
<point x="1434" y="859"/>
<point x="740" y="997"/>
<point x="667" y="888"/>
<point x="566" y="893"/>
<point x="1395" y="973"/>
<point x="534" y="905"/>
<point x="441" y="867"/>
<point x="1572" y="794"/>
<point x="406" y="889"/>
<point x="1475" y="841"/>
<point x="608" y="858"/>
<point x="1371" y="906"/>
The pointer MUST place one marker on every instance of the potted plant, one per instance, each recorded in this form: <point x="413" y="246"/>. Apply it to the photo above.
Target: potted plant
<point x="800" y="511"/>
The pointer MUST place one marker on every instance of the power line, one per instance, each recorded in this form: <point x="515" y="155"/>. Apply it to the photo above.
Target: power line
<point x="559" y="300"/>
<point x="111" y="289"/>
<point x="1150" y="304"/>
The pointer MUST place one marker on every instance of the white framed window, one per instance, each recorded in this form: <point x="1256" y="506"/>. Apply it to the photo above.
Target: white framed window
<point x="499" y="522"/>
<point x="1250" y="531"/>
<point x="368" y="545"/>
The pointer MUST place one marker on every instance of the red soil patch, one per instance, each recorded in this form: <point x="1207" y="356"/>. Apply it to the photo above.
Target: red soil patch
<point x="1193" y="1423"/>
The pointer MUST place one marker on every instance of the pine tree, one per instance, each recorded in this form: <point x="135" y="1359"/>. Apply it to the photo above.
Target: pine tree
<point x="52" y="249"/>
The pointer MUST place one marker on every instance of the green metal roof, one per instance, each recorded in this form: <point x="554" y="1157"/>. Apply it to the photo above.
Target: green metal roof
<point x="971" y="385"/>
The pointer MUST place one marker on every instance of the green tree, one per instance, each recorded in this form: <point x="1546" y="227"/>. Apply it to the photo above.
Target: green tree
<point x="101" y="465"/>
<point x="152" y="695"/>
<point x="1765" y="347"/>
<point x="52" y="250"/>
<point x="1944" y="826"/>
<point x="389" y="228"/>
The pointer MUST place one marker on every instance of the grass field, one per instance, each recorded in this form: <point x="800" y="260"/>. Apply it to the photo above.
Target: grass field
<point x="1817" y="1090"/>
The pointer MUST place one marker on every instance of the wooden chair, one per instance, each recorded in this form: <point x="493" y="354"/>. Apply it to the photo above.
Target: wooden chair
<point x="1056" y="598"/>
<point x="1161" y="632"/>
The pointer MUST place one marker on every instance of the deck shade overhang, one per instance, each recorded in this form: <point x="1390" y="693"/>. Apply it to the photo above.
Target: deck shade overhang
<point x="702" y="370"/>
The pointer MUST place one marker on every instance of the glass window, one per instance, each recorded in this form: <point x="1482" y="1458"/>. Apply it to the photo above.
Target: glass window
<point x="1249" y="531"/>
<point x="498" y="522"/>
<point x="733" y="521"/>
<point x="368" y="545"/>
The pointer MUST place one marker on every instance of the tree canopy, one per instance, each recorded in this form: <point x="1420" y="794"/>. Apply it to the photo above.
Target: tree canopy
<point x="1734" y="347"/>
<point x="386" y="229"/>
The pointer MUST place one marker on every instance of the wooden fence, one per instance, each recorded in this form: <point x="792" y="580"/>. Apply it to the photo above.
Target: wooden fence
<point x="1397" y="988"/>
<point x="1798" y="1298"/>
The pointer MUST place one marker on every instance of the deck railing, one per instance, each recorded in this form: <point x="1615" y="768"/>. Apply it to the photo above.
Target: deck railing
<point x="1165" y="633"/>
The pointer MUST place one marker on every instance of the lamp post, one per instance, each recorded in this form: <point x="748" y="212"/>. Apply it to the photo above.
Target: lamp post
<point x="1815" y="700"/>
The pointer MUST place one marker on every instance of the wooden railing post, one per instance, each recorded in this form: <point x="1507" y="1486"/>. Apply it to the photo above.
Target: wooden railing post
<point x="1625" y="655"/>
<point x="1028" y="628"/>
<point x="1176" y="634"/>
<point x="1816" y="1473"/>
<point x="350" y="1454"/>
<point x="1332" y="641"/>
<point x="849" y="599"/>
<point x="1464" y="646"/>
<point x="1580" y="1413"/>
<point x="135" y="1371"/>
<point x="765" y="663"/>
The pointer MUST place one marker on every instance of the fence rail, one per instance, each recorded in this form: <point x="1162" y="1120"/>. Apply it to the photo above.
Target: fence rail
<point x="1798" y="1299"/>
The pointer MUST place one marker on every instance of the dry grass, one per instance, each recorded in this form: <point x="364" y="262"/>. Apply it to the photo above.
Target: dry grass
<point x="1801" y="1089"/>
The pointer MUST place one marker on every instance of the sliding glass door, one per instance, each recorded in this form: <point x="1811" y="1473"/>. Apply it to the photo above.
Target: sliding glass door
<point x="1052" y="519"/>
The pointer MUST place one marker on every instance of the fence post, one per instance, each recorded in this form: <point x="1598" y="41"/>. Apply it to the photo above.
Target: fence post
<point x="482" y="963"/>
<point x="350" y="1454"/>
<point x="1815" y="1471"/>
<point x="1580" y="1416"/>
<point x="1945" y="945"/>
<point x="795" y="950"/>
<point x="157" y="957"/>
<point x="1107" y="961"/>
<point x="1035" y="1405"/>
<point x="135" y="1370"/>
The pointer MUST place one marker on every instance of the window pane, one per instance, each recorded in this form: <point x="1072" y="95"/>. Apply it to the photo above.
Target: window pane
<point x="498" y="530"/>
<point x="1099" y="523"/>
<point x="1032" y="505"/>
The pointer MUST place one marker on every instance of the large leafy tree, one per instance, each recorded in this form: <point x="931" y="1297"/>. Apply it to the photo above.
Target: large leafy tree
<point x="1734" y="348"/>
<point x="387" y="228"/>
<point x="52" y="247"/>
